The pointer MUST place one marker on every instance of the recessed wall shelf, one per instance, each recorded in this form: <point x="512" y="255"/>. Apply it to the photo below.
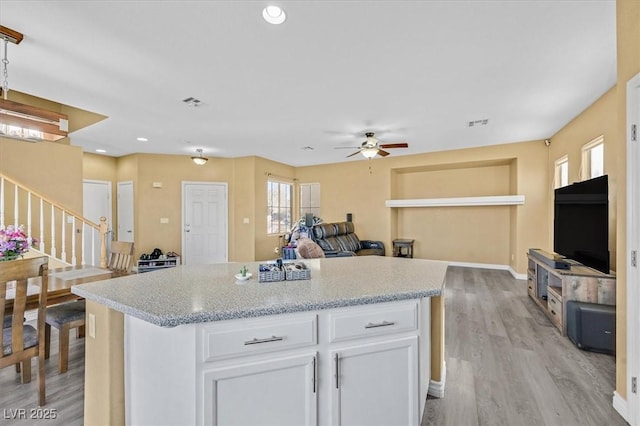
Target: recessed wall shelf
<point x="495" y="200"/>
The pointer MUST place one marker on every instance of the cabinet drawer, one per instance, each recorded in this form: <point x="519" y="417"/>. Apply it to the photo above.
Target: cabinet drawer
<point x="531" y="286"/>
<point x="253" y="337"/>
<point x="373" y="320"/>
<point x="554" y="306"/>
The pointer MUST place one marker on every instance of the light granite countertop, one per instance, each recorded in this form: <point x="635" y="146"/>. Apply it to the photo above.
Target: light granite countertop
<point x="202" y="293"/>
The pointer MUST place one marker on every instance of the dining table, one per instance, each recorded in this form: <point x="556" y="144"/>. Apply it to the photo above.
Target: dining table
<point x="60" y="281"/>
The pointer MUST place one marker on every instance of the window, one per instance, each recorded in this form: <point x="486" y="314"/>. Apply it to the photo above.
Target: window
<point x="562" y="172"/>
<point x="310" y="199"/>
<point x="279" y="206"/>
<point x="593" y="158"/>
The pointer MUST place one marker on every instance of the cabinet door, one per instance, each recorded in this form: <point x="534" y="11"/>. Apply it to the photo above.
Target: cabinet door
<point x="278" y="391"/>
<point x="376" y="384"/>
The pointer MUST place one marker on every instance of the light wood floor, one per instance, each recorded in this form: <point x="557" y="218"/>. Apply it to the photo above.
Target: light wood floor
<point x="506" y="365"/>
<point x="65" y="392"/>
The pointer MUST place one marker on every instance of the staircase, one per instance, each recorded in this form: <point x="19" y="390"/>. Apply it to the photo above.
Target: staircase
<point x="61" y="233"/>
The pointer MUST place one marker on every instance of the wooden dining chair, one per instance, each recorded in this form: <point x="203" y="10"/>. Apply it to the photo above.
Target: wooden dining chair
<point x="20" y="342"/>
<point x="121" y="257"/>
<point x="67" y="316"/>
<point x="64" y="317"/>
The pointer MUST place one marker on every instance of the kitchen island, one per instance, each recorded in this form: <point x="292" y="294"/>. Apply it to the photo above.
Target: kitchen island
<point x="351" y="344"/>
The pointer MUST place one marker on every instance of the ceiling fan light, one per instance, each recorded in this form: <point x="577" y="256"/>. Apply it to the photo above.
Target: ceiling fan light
<point x="369" y="152"/>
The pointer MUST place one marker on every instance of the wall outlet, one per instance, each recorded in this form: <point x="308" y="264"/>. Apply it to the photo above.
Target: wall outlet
<point x="245" y="220"/>
<point x="276" y="250"/>
<point x="164" y="220"/>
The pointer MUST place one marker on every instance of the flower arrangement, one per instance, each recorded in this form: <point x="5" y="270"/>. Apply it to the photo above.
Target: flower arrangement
<point x="14" y="242"/>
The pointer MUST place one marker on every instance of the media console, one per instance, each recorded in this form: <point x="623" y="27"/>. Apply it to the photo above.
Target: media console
<point x="551" y="288"/>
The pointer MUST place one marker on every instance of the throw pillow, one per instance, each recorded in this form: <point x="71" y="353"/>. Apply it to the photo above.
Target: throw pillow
<point x="308" y="249"/>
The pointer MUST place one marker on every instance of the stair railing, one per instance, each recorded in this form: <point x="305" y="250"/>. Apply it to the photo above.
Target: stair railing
<point x="60" y="232"/>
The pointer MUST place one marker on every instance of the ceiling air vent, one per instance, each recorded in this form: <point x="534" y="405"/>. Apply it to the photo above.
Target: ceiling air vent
<point x="191" y="101"/>
<point x="476" y="123"/>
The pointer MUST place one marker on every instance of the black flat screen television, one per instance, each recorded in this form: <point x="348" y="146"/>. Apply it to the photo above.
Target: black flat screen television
<point x="581" y="222"/>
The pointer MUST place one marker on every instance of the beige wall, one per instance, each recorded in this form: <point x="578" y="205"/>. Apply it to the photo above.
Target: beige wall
<point x="628" y="28"/>
<point x="50" y="169"/>
<point x="246" y="178"/>
<point x="456" y="233"/>
<point x="600" y="119"/>
<point x="265" y="243"/>
<point x="461" y="233"/>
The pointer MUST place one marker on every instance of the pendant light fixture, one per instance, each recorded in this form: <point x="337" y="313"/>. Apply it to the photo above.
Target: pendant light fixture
<point x="20" y="121"/>
<point x="199" y="159"/>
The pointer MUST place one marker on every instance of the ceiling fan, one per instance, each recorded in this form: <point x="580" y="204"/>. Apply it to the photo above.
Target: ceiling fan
<point x="371" y="147"/>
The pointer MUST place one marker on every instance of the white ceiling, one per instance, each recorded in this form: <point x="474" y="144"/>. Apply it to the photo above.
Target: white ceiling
<point x="414" y="71"/>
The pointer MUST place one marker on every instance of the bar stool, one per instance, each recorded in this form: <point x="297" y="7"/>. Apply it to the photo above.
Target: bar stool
<point x="403" y="248"/>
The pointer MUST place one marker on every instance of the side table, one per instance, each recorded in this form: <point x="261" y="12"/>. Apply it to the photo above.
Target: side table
<point x="403" y="248"/>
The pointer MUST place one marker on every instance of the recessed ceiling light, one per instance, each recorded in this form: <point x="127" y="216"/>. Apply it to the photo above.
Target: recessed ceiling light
<point x="274" y="15"/>
<point x="142" y="139"/>
<point x="101" y="151"/>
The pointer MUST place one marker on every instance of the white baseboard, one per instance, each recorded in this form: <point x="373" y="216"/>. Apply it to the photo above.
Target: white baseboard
<point x="436" y="389"/>
<point x="620" y="405"/>
<point x="513" y="273"/>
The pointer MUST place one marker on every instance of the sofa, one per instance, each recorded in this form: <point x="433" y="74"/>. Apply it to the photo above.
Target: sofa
<point x="339" y="240"/>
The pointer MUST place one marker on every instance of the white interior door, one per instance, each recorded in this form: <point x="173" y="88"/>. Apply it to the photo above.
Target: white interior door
<point x="96" y="202"/>
<point x="125" y="211"/>
<point x="204" y="220"/>
<point x="633" y="246"/>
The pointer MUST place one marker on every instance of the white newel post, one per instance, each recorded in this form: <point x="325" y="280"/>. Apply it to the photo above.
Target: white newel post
<point x="103" y="242"/>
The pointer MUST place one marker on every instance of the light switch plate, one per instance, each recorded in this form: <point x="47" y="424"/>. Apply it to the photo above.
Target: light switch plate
<point x="92" y="326"/>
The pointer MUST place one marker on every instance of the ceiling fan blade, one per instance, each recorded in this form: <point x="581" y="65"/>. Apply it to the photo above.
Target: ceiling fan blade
<point x="355" y="153"/>
<point x="383" y="153"/>
<point x="395" y="145"/>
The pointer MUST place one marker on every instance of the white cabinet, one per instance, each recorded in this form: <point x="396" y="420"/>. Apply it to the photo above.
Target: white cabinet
<point x="358" y="365"/>
<point x="278" y="391"/>
<point x="383" y="377"/>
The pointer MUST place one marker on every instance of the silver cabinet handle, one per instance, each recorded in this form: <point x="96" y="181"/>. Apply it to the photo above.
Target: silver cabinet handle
<point x="380" y="324"/>
<point x="314" y="374"/>
<point x="255" y="340"/>
<point x="337" y="372"/>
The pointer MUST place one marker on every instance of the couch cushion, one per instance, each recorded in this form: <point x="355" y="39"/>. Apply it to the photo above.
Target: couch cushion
<point x="329" y="244"/>
<point x="349" y="242"/>
<point x="308" y="249"/>
<point x="324" y="230"/>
